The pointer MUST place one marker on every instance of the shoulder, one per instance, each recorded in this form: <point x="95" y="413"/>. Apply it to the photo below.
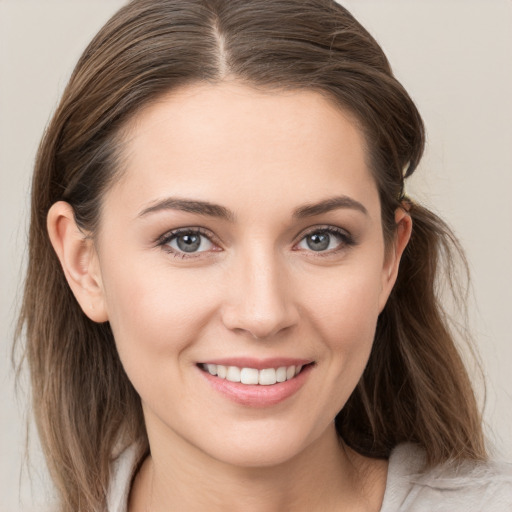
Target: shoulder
<point x="466" y="487"/>
<point x="122" y="470"/>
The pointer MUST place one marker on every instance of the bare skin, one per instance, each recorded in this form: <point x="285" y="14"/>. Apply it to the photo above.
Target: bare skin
<point x="348" y="482"/>
<point x="245" y="228"/>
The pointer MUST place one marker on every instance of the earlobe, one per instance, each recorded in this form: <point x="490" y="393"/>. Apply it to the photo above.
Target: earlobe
<point x="79" y="260"/>
<point x="403" y="223"/>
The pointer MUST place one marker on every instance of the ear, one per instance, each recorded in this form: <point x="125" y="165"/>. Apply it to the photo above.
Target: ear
<point x="79" y="260"/>
<point x="403" y="232"/>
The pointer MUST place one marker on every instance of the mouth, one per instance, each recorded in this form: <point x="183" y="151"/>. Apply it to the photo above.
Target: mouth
<point x="254" y="376"/>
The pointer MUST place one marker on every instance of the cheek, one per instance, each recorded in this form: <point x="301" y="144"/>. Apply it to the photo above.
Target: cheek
<point x="347" y="300"/>
<point x="345" y="315"/>
<point x="155" y="312"/>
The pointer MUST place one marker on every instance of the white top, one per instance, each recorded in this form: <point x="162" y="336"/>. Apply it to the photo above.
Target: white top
<point x="469" y="488"/>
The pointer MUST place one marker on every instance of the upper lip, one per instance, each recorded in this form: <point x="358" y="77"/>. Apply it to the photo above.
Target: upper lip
<point x="258" y="364"/>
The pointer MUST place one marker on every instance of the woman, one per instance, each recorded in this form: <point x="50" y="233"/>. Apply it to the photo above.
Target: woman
<point x="245" y="299"/>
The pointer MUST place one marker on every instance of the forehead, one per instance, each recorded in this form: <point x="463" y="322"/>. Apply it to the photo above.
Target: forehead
<point x="229" y="138"/>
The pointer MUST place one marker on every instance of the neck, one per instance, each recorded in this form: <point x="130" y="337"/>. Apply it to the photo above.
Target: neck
<point x="326" y="476"/>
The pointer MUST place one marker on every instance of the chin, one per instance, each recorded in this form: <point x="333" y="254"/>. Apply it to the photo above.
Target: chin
<point x="257" y="456"/>
<point x="262" y="449"/>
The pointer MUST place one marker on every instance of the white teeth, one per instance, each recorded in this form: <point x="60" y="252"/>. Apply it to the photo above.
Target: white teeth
<point x="281" y="374"/>
<point x="233" y="374"/>
<point x="249" y="376"/>
<point x="267" y="377"/>
<point x="252" y="376"/>
<point x="221" y="371"/>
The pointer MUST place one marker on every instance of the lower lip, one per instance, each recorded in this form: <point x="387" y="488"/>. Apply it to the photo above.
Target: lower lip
<point x="258" y="395"/>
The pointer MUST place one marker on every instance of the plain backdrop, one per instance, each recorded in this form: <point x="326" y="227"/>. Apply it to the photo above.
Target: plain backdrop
<point x="455" y="59"/>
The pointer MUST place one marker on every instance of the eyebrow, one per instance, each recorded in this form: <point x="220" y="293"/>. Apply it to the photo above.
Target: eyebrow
<point x="327" y="205"/>
<point x="190" y="206"/>
<point x="214" y="210"/>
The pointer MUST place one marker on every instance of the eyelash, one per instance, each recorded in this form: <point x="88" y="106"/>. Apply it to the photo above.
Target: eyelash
<point x="163" y="241"/>
<point x="347" y="240"/>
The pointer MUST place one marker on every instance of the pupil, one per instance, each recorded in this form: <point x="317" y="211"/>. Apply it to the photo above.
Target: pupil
<point x="318" y="241"/>
<point x="189" y="243"/>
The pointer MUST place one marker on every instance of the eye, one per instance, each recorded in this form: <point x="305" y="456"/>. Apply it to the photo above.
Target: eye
<point x="325" y="240"/>
<point x="186" y="241"/>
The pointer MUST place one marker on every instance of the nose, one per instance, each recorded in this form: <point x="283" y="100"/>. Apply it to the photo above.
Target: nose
<point x="260" y="299"/>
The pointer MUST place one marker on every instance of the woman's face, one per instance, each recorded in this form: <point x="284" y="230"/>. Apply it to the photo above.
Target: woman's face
<point x="244" y="238"/>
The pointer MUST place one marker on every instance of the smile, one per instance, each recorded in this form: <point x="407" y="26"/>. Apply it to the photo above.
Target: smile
<point x="257" y="383"/>
<point x="253" y="376"/>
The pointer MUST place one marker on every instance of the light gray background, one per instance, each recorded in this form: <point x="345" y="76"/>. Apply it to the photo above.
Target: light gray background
<point x="454" y="57"/>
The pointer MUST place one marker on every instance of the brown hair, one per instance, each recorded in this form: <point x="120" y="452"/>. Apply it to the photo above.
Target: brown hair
<point x="415" y="387"/>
